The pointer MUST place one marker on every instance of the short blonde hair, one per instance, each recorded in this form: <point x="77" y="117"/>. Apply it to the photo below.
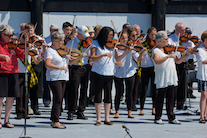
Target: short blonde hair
<point x="29" y="26"/>
<point x="6" y="29"/>
<point x="204" y="35"/>
<point x="57" y="36"/>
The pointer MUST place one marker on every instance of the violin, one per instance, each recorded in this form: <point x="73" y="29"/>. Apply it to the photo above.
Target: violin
<point x="122" y="46"/>
<point x="64" y="50"/>
<point x="171" y="48"/>
<point x="32" y="52"/>
<point x="87" y="42"/>
<point x="187" y="37"/>
<point x="112" y="43"/>
<point x="35" y="40"/>
<point x="138" y="47"/>
<point x="68" y="38"/>
<point x="153" y="44"/>
<point x="195" y="39"/>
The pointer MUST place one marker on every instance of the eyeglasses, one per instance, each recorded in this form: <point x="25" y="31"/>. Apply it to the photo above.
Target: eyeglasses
<point x="8" y="35"/>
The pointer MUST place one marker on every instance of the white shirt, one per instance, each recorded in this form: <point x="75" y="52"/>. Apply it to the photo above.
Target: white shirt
<point x="48" y="40"/>
<point x="173" y="40"/>
<point x="146" y="61"/>
<point x="129" y="67"/>
<point x="104" y="66"/>
<point x="165" y="73"/>
<point x="55" y="75"/>
<point x="202" y="68"/>
<point x="75" y="45"/>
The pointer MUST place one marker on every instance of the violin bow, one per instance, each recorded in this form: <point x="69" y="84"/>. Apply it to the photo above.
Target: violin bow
<point x="116" y="44"/>
<point x="177" y="44"/>
<point x="112" y="23"/>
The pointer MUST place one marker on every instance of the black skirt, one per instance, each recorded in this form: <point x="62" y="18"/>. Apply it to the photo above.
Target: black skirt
<point x="9" y="85"/>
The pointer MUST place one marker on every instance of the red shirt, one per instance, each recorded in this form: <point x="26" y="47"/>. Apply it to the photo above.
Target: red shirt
<point x="12" y="66"/>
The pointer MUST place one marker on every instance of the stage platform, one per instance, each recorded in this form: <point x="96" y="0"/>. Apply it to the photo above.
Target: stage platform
<point x="38" y="126"/>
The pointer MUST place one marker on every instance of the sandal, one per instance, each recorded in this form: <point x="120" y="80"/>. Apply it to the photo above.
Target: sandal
<point x="202" y="121"/>
<point x="59" y="126"/>
<point x="97" y="124"/>
<point x="7" y="125"/>
<point x="108" y="123"/>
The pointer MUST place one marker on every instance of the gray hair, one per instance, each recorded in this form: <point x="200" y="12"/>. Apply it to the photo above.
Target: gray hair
<point x="160" y="35"/>
<point x="6" y="29"/>
<point x="57" y="36"/>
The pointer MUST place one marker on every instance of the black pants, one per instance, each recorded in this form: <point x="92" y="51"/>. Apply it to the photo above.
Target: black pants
<point x="46" y="92"/>
<point x="20" y="101"/>
<point x="169" y="93"/>
<point x="147" y="73"/>
<point x="102" y="82"/>
<point x="58" y="90"/>
<point x="181" y="85"/>
<point x="129" y="83"/>
<point x="79" y="76"/>
<point x="136" y="89"/>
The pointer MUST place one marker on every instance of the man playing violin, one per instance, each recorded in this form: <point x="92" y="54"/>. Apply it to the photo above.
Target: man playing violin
<point x="37" y="64"/>
<point x="67" y="30"/>
<point x="181" y="68"/>
<point x="79" y="75"/>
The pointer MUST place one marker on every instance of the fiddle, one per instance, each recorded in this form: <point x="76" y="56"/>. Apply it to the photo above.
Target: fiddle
<point x="36" y="41"/>
<point x="111" y="44"/>
<point x="87" y="42"/>
<point x="194" y="39"/>
<point x="153" y="44"/>
<point x="171" y="48"/>
<point x="122" y="46"/>
<point x="64" y="50"/>
<point x="68" y="38"/>
<point x="186" y="37"/>
<point x="138" y="47"/>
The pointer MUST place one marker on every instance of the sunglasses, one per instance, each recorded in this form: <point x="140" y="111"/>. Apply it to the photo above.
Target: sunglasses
<point x="8" y="35"/>
<point x="134" y="35"/>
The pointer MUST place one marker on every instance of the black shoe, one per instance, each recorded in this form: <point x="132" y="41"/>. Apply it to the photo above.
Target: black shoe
<point x="36" y="112"/>
<point x="138" y="102"/>
<point x="47" y="105"/>
<point x="70" y="116"/>
<point x="192" y="96"/>
<point x="19" y="117"/>
<point x="134" y="108"/>
<point x="80" y="115"/>
<point x="180" y="107"/>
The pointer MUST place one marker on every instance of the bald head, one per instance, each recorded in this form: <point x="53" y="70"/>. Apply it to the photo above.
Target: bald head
<point x="22" y="26"/>
<point x="180" y="29"/>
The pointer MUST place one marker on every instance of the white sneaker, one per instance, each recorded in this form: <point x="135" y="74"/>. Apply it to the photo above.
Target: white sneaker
<point x="159" y="122"/>
<point x="175" y="121"/>
<point x="30" y="112"/>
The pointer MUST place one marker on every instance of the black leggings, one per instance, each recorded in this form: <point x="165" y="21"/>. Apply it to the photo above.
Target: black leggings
<point x="146" y="74"/>
<point x="119" y="85"/>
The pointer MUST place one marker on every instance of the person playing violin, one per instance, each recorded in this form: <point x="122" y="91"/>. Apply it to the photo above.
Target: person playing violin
<point x="126" y="72"/>
<point x="165" y="77"/>
<point x="67" y="30"/>
<point x="9" y="77"/>
<point x="103" y="70"/>
<point x="37" y="65"/>
<point x="132" y="37"/>
<point x="137" y="28"/>
<point x="181" y="68"/>
<point x="147" y="72"/>
<point x="57" y="75"/>
<point x="79" y="75"/>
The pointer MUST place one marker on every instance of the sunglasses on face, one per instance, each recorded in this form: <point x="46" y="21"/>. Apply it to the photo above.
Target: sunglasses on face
<point x="8" y="35"/>
<point x="134" y="35"/>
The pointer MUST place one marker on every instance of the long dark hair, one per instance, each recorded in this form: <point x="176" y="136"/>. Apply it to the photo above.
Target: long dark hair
<point x="103" y="35"/>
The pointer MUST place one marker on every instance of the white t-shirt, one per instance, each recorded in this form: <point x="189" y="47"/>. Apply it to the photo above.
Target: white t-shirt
<point x="146" y="61"/>
<point x="202" y="68"/>
<point x="75" y="45"/>
<point x="54" y="75"/>
<point x="104" y="66"/>
<point x="165" y="73"/>
<point x="129" y="66"/>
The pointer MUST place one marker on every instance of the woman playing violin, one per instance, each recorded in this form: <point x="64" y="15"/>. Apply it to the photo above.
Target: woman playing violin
<point x="165" y="77"/>
<point x="147" y="72"/>
<point x="103" y="71"/>
<point x="57" y="75"/>
<point x="127" y="72"/>
<point x="9" y="77"/>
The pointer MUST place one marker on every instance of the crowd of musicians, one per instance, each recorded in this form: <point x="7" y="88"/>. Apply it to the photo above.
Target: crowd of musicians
<point x="62" y="63"/>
